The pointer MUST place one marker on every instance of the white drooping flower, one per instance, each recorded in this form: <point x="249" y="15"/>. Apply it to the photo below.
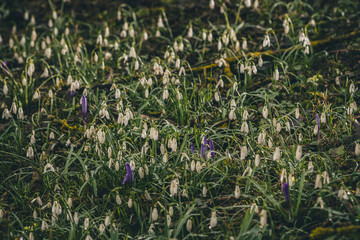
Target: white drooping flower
<point x="154" y="134"/>
<point x="190" y="32"/>
<point x="257" y="160"/>
<point x="323" y="118"/>
<point x="130" y="203"/>
<point x="357" y="149"/>
<point x="189" y="225"/>
<point x="244" y="127"/>
<point x="101" y="136"/>
<point x="118" y="200"/>
<point x="319" y="201"/>
<point x="174" y="187"/>
<point x="248" y="3"/>
<point x="212" y="4"/>
<point x="342" y="194"/>
<point x="263" y="218"/>
<point x="237" y="191"/>
<point x="31" y="69"/>
<point x="298" y="154"/>
<point x="265" y="112"/>
<point x="49" y="168"/>
<point x="266" y="42"/>
<point x="276" y="74"/>
<point x="243" y="152"/>
<point x="318" y="183"/>
<point x="276" y="156"/>
<point x="213" y="220"/>
<point x="154" y="214"/>
<point x="30" y="152"/>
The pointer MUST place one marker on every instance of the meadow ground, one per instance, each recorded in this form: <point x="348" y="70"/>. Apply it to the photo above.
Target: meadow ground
<point x="178" y="119"/>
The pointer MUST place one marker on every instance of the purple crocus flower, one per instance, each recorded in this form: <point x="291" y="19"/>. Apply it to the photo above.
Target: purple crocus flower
<point x="4" y="66"/>
<point x="286" y="193"/>
<point x="202" y="150"/>
<point x="129" y="174"/>
<point x="72" y="94"/>
<point x="212" y="148"/>
<point x="318" y="122"/>
<point x="192" y="148"/>
<point x="205" y="144"/>
<point x="84" y="106"/>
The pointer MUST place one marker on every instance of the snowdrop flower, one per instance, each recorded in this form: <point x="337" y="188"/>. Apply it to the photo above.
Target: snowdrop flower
<point x="248" y="3"/>
<point x="31" y="68"/>
<point x="130" y="203"/>
<point x="154" y="134"/>
<point x="212" y="4"/>
<point x="276" y="156"/>
<point x="352" y="88"/>
<point x="86" y="223"/>
<point x="132" y="53"/>
<point x="319" y="201"/>
<point x="213" y="220"/>
<point x="154" y="214"/>
<point x="30" y="152"/>
<point x="318" y="183"/>
<point x="243" y="152"/>
<point x="49" y="168"/>
<point x="265" y="112"/>
<point x="266" y="42"/>
<point x="263" y="218"/>
<point x="357" y="149"/>
<point x="237" y="191"/>
<point x="298" y="154"/>
<point x="118" y="200"/>
<point x="101" y="136"/>
<point x="190" y="32"/>
<point x="257" y="160"/>
<point x="232" y="115"/>
<point x="244" y="127"/>
<point x="189" y="225"/>
<point x="244" y="43"/>
<point x="342" y="194"/>
<point x="174" y="187"/>
<point x="276" y="74"/>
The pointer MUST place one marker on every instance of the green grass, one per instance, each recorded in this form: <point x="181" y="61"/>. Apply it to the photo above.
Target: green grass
<point x="56" y="170"/>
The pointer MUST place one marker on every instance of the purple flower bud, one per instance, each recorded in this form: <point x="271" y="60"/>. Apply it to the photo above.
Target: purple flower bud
<point x="84" y="106"/>
<point x="129" y="174"/>
<point x="192" y="148"/>
<point x="286" y="193"/>
<point x="318" y="122"/>
<point x="202" y="148"/>
<point x="4" y="67"/>
<point x="72" y="94"/>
